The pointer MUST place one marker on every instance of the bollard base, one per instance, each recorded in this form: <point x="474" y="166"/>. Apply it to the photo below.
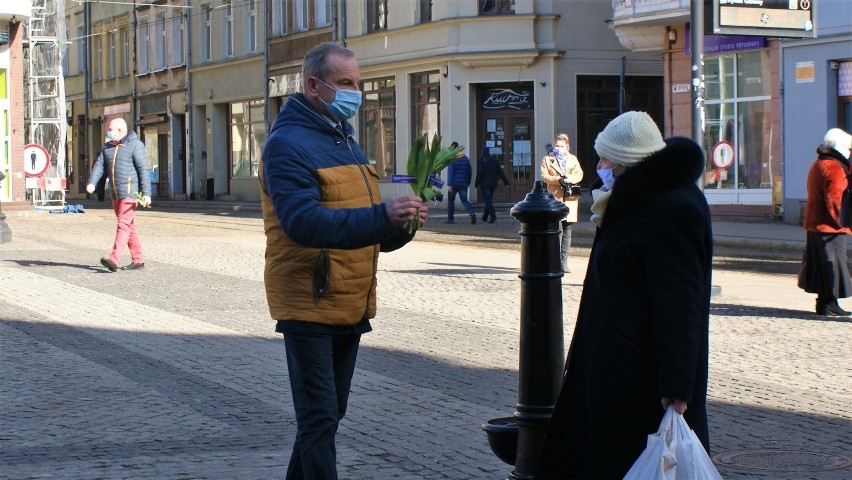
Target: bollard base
<point x="503" y="438"/>
<point x="5" y="231"/>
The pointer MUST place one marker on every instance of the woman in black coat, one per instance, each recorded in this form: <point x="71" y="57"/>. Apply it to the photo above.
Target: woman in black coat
<point x="641" y="339"/>
<point x="487" y="172"/>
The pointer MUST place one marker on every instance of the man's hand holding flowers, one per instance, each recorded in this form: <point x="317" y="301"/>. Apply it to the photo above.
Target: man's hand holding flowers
<point x="402" y="210"/>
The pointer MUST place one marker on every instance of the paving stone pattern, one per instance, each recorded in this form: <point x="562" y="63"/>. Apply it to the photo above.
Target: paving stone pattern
<point x="175" y="372"/>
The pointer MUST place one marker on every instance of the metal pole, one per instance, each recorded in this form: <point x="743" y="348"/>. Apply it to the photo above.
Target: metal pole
<point x="697" y="42"/>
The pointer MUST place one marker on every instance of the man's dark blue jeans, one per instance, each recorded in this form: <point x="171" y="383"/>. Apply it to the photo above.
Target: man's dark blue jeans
<point x="461" y="190"/>
<point x="321" y="368"/>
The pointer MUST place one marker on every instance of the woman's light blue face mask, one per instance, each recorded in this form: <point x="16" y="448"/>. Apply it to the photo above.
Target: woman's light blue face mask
<point x="345" y="104"/>
<point x="607" y="177"/>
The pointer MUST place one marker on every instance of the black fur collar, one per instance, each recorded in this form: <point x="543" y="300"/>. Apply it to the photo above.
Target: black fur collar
<point x="678" y="165"/>
<point x="824" y="151"/>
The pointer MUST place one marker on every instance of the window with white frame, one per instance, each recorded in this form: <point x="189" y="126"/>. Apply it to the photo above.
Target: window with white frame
<point x="207" y="39"/>
<point x="144" y="39"/>
<point x="125" y="52"/>
<point x="66" y="64"/>
<point x="113" y="38"/>
<point x="279" y="18"/>
<point x="177" y="38"/>
<point x="160" y="41"/>
<point x="97" y="56"/>
<point x="377" y="15"/>
<point x="80" y="43"/>
<point x="248" y="137"/>
<point x="377" y="122"/>
<point x="738" y="121"/>
<point x="251" y="30"/>
<point x="228" y="39"/>
<point x="322" y="13"/>
<point x="300" y="15"/>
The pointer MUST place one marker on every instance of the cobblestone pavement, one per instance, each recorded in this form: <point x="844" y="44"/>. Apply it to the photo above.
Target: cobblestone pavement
<point x="174" y="371"/>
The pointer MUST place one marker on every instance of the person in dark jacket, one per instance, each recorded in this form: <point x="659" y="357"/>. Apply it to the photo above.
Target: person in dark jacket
<point x="458" y="180"/>
<point x="124" y="162"/>
<point x="641" y="337"/>
<point x="487" y="173"/>
<point x="325" y="225"/>
<point x="824" y="268"/>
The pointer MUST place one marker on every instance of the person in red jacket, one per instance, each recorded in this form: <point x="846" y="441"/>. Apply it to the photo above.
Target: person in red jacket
<point x="824" y="268"/>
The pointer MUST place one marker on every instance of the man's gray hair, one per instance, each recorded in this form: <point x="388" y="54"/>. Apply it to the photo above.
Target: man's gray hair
<point x="316" y="60"/>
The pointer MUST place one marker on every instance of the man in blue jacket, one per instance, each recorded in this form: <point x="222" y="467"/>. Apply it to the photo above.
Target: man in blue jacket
<point x="458" y="178"/>
<point x="325" y="225"/>
<point x="124" y="162"/>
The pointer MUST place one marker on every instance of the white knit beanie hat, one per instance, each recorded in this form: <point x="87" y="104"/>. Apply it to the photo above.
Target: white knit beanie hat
<point x="629" y="138"/>
<point x="838" y="140"/>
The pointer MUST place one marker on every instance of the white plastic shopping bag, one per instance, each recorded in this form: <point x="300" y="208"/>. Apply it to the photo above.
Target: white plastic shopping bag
<point x="657" y="461"/>
<point x="673" y="453"/>
<point x="693" y="463"/>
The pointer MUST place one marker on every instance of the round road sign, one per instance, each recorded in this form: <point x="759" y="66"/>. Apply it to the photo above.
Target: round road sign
<point x="36" y="160"/>
<point x="723" y="154"/>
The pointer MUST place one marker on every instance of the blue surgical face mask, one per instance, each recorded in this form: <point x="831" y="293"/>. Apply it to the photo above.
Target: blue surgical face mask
<point x="607" y="177"/>
<point x="345" y="104"/>
<point x="111" y="136"/>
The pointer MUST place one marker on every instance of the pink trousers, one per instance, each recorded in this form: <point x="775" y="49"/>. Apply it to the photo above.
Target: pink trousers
<point x="125" y="232"/>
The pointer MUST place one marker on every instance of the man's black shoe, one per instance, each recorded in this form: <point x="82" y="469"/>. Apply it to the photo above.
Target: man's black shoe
<point x="493" y="219"/>
<point x="134" y="266"/>
<point x="449" y="221"/>
<point x="109" y="264"/>
<point x="473" y="218"/>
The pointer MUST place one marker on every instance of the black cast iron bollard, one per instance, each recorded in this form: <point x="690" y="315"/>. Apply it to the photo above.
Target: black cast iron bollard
<point x="5" y="231"/>
<point x="541" y="358"/>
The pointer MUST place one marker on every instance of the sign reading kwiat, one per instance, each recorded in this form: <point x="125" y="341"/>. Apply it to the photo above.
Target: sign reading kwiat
<point x="763" y="18"/>
<point x="503" y="98"/>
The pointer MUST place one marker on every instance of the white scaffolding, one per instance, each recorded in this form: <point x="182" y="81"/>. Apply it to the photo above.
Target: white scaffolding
<point x="45" y="98"/>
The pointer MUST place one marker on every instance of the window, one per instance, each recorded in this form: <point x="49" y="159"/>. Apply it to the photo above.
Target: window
<point x="279" y="20"/>
<point x="323" y="13"/>
<point x="425" y="103"/>
<point x="425" y="11"/>
<point x="252" y="27"/>
<point x="112" y="35"/>
<point x="81" y="44"/>
<point x="377" y="15"/>
<point x="66" y="63"/>
<point x="144" y="43"/>
<point x="377" y="128"/>
<point x="491" y="7"/>
<point x="97" y="60"/>
<point x="248" y="136"/>
<point x="738" y="121"/>
<point x="160" y="41"/>
<point x="300" y="15"/>
<point x="177" y="38"/>
<point x="229" y="29"/>
<point x="125" y="52"/>
<point x="207" y="40"/>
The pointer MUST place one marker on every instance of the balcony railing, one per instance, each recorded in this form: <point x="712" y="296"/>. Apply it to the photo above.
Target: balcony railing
<point x="634" y="8"/>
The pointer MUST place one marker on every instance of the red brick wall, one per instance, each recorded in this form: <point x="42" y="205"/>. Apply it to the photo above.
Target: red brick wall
<point x="17" y="107"/>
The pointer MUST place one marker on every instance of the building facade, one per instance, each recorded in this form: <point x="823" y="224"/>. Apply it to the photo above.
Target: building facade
<point x="817" y="79"/>
<point x="13" y="15"/>
<point x="758" y="139"/>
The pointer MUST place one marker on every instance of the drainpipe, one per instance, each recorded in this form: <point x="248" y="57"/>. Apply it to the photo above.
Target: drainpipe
<point x="343" y="22"/>
<point x="266" y="64"/>
<point x="621" y="85"/>
<point x="87" y="94"/>
<point x="190" y="120"/>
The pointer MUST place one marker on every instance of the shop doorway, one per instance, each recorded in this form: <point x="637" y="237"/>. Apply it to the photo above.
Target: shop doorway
<point x="598" y="104"/>
<point x="505" y="128"/>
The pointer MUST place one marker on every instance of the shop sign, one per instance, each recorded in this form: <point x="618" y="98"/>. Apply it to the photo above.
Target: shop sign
<point x="507" y="98"/>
